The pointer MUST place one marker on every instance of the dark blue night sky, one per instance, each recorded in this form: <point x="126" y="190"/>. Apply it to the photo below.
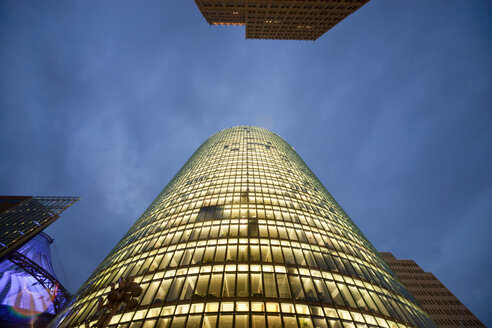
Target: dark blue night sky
<point x="391" y="109"/>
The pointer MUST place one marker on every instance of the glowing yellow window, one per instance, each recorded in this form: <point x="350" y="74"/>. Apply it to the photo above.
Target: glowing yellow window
<point x="272" y="307"/>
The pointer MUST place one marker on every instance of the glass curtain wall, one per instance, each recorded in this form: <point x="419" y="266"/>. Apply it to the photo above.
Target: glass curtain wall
<point x="246" y="236"/>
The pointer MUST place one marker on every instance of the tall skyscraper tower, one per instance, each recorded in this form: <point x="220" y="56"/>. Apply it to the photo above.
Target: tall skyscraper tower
<point x="246" y="236"/>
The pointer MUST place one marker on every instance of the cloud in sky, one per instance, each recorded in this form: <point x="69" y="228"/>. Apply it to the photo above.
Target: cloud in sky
<point x="390" y="109"/>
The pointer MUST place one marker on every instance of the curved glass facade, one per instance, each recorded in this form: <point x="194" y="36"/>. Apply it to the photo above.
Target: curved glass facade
<point x="246" y="236"/>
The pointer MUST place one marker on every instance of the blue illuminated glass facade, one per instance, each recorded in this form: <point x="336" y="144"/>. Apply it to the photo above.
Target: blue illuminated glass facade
<point x="20" y="290"/>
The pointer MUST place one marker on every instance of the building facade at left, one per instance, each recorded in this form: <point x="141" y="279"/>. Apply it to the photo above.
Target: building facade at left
<point x="30" y="293"/>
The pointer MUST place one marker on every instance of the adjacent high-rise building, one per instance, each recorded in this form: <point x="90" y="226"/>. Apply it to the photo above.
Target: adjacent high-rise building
<point x="279" y="19"/>
<point x="23" y="217"/>
<point x="243" y="236"/>
<point x="30" y="293"/>
<point x="442" y="306"/>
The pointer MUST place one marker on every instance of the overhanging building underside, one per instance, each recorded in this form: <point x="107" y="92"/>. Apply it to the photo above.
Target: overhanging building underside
<point x="279" y="19"/>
